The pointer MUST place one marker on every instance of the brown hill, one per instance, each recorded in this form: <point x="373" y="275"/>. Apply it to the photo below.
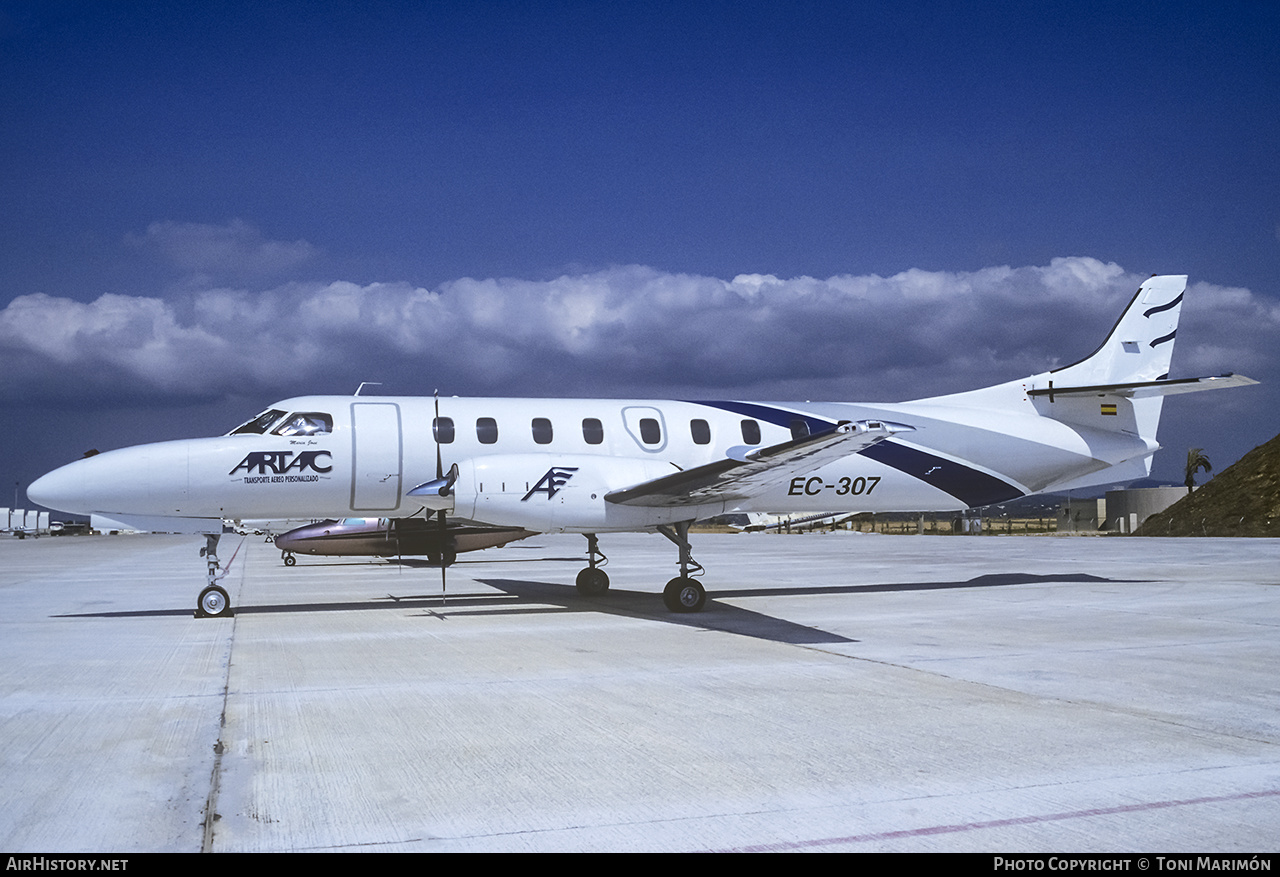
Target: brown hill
<point x="1244" y="500"/>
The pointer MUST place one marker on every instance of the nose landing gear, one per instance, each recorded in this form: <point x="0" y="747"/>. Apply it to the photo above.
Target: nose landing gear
<point x="213" y="602"/>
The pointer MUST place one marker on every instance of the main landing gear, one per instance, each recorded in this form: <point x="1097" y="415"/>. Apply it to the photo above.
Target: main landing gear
<point x="592" y="580"/>
<point x="213" y="602"/>
<point x="683" y="593"/>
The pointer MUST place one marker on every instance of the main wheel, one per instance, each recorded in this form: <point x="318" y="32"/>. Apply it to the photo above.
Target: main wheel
<point x="684" y="595"/>
<point x="213" y="603"/>
<point x="592" y="581"/>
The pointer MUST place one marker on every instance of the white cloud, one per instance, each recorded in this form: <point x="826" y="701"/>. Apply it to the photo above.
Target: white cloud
<point x="628" y="330"/>
<point x="234" y="250"/>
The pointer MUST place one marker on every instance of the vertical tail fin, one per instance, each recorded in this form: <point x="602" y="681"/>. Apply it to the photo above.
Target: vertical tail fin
<point x="1100" y="391"/>
<point x="1140" y="346"/>
<point x="1112" y="398"/>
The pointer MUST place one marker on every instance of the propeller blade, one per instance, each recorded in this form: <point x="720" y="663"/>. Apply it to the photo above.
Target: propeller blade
<point x="436" y="432"/>
<point x="440" y="515"/>
<point x="444" y="556"/>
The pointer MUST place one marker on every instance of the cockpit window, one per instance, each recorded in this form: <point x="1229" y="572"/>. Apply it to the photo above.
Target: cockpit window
<point x="259" y="424"/>
<point x="305" y="423"/>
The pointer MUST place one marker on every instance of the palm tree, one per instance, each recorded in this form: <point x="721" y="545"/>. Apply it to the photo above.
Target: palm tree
<point x="1196" y="461"/>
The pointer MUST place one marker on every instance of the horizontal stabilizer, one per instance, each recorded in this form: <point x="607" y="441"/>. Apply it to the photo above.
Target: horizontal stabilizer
<point x="1147" y="389"/>
<point x="746" y="475"/>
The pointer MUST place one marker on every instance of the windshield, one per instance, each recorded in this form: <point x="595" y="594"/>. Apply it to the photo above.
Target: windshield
<point x="305" y="423"/>
<point x="259" y="424"/>
<point x="298" y="423"/>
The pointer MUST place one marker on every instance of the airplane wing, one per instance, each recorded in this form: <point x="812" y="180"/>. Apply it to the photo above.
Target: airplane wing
<point x="753" y="472"/>
<point x="1144" y="389"/>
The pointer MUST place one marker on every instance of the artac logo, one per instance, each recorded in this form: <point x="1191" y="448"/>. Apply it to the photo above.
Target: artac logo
<point x="550" y="484"/>
<point x="278" y="462"/>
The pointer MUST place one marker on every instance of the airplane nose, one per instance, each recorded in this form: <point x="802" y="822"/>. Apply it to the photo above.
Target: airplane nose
<point x="299" y="539"/>
<point x="122" y="481"/>
<point x="288" y="541"/>
<point x="58" y="489"/>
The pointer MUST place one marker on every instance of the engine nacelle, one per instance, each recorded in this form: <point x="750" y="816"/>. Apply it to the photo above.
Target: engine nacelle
<point x="558" y="492"/>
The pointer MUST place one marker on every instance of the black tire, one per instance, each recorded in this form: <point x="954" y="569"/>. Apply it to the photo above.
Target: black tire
<point x="213" y="603"/>
<point x="592" y="581"/>
<point x="684" y="595"/>
<point x="290" y="560"/>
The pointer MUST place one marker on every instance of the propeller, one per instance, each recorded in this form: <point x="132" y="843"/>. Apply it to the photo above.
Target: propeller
<point x="444" y="490"/>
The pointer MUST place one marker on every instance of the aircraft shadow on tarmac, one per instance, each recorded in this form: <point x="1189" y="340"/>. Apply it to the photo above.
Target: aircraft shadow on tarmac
<point x="526" y="597"/>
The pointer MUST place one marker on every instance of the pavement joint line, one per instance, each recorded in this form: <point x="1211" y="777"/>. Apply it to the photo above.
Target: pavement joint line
<point x="211" y="815"/>
<point x="999" y="823"/>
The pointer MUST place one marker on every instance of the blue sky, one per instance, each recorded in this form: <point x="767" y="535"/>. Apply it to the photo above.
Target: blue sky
<point x="586" y="191"/>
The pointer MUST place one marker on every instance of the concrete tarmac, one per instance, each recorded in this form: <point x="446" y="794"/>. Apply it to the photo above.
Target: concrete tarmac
<point x="840" y="692"/>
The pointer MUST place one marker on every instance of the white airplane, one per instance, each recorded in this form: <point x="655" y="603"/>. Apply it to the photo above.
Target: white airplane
<point x="593" y="466"/>
<point x="759" y="522"/>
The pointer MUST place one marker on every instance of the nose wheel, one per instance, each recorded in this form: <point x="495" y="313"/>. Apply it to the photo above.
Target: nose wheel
<point x="213" y="603"/>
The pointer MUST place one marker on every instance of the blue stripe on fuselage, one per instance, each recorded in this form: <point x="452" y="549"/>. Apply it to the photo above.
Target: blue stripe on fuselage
<point x="775" y="416"/>
<point x="970" y="486"/>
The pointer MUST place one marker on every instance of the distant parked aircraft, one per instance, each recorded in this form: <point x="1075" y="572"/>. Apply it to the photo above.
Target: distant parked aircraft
<point x="393" y="537"/>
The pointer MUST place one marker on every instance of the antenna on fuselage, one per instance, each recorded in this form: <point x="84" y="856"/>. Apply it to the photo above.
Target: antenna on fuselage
<point x="364" y="384"/>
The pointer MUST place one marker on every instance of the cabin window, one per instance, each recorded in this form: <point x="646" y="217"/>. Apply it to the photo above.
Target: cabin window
<point x="442" y="429"/>
<point x="542" y="430"/>
<point x="259" y="424"/>
<point x="650" y="431"/>
<point x="486" y="430"/>
<point x="592" y="431"/>
<point x="701" y="432"/>
<point x="799" y="428"/>
<point x="305" y="423"/>
<point x="751" y="432"/>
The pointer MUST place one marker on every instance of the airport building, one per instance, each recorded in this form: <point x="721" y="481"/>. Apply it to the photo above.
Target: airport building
<point x="1127" y="509"/>
<point x="22" y="522"/>
<point x="1120" y="511"/>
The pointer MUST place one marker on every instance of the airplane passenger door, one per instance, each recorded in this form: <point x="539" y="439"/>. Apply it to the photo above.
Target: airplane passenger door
<point x="377" y="451"/>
